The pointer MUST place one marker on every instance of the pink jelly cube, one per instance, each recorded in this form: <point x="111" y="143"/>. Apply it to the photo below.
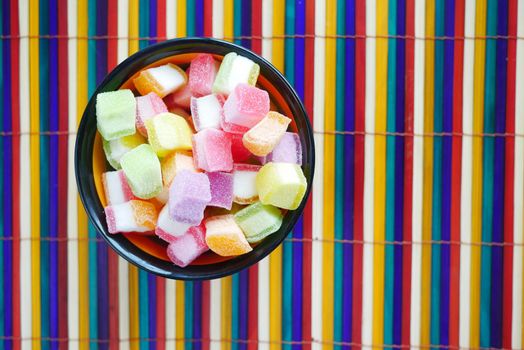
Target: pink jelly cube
<point x="246" y="105"/>
<point x="232" y="128"/>
<point x="147" y="107"/>
<point x="180" y="98"/>
<point x="185" y="249"/>
<point x="206" y="111"/>
<point x="203" y="71"/>
<point x="244" y="183"/>
<point x="239" y="152"/>
<point x="116" y="188"/>
<point x="189" y="194"/>
<point x="212" y="150"/>
<point x="221" y="185"/>
<point x="288" y="150"/>
<point x="167" y="228"/>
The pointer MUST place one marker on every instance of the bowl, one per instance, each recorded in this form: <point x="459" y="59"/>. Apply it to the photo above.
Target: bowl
<point x="148" y="252"/>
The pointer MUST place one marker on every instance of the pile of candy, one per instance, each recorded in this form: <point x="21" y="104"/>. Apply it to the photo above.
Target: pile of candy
<point x="194" y="140"/>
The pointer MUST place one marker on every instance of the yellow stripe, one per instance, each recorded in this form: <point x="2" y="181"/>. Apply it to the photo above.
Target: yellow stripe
<point x="275" y="259"/>
<point x="83" y="271"/>
<point x="35" y="172"/>
<point x="226" y="313"/>
<point x="329" y="179"/>
<point x="380" y="172"/>
<point x="428" y="176"/>
<point x="134" y="332"/>
<point x="476" y="207"/>
<point x="228" y="20"/>
<point x="133" y="26"/>
<point x="181" y="18"/>
<point x="180" y="314"/>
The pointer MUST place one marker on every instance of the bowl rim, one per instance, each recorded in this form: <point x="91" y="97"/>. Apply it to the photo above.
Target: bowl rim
<point x="243" y="261"/>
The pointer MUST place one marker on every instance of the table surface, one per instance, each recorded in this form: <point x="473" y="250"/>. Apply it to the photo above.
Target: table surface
<point x="414" y="233"/>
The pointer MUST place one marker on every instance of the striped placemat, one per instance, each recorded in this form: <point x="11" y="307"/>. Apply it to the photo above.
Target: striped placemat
<point x="413" y="236"/>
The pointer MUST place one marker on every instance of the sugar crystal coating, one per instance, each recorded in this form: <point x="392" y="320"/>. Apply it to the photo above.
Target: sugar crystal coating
<point x="281" y="184"/>
<point x="161" y="80"/>
<point x="234" y="70"/>
<point x="167" y="228"/>
<point x="180" y="98"/>
<point x="116" y="188"/>
<point x="185" y="249"/>
<point x="203" y="71"/>
<point x="221" y="185"/>
<point x="224" y="236"/>
<point x="212" y="150"/>
<point x="262" y="138"/>
<point x="206" y="111"/>
<point x="258" y="221"/>
<point x="288" y="150"/>
<point x="115" y="114"/>
<point x="146" y="108"/>
<point x="115" y="149"/>
<point x="132" y="216"/>
<point x="142" y="169"/>
<point x="239" y="152"/>
<point x="246" y="105"/>
<point x="244" y="183"/>
<point x="168" y="133"/>
<point x="189" y="194"/>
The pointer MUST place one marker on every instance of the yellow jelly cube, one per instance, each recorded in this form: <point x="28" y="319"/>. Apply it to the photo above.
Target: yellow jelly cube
<point x="224" y="236"/>
<point x="281" y="184"/>
<point x="167" y="133"/>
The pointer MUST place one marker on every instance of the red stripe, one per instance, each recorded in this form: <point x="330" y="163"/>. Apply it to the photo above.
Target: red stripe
<point x="112" y="262"/>
<point x="208" y="18"/>
<point x="63" y="125"/>
<point x="256" y="25"/>
<point x="507" y="298"/>
<point x="161" y="19"/>
<point x="15" y="115"/>
<point x="252" y="322"/>
<point x="206" y="307"/>
<point x="161" y="313"/>
<point x="360" y="122"/>
<point x="456" y="171"/>
<point x="308" y="216"/>
<point x="408" y="174"/>
<point x="112" y="32"/>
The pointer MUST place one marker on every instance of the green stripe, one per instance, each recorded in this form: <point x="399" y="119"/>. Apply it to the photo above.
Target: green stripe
<point x="143" y="23"/>
<point x="339" y="172"/>
<point x="44" y="171"/>
<point x="487" y="188"/>
<point x="190" y="17"/>
<point x="234" y="311"/>
<point x="188" y="315"/>
<point x="143" y="303"/>
<point x="237" y="20"/>
<point x="390" y="174"/>
<point x="93" y="283"/>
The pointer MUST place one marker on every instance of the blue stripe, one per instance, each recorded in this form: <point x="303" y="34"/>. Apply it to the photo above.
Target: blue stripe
<point x="197" y="312"/>
<point x="234" y="311"/>
<point x="188" y="316"/>
<point x="199" y="18"/>
<point x="153" y="20"/>
<point x="151" y="280"/>
<point x="246" y="23"/>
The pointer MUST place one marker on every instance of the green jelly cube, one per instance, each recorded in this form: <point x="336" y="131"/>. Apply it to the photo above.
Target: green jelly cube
<point x="142" y="169"/>
<point x="258" y="221"/>
<point x="281" y="184"/>
<point x="234" y="70"/>
<point x="115" y="149"/>
<point x="115" y="114"/>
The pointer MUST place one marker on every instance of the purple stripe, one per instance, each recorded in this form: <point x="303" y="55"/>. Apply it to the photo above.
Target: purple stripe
<point x="199" y="17"/>
<point x="7" y="185"/>
<point x="399" y="173"/>
<point x="243" y="283"/>
<point x="197" y="315"/>
<point x="246" y="23"/>
<point x="102" y="248"/>
<point x="447" y="126"/>
<point x="152" y="20"/>
<point x="349" y="146"/>
<point x="151" y="279"/>
<point x="53" y="173"/>
<point x="498" y="178"/>
<point x="300" y="28"/>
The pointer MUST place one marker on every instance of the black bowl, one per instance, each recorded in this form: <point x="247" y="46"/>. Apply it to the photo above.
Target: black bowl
<point x="84" y="159"/>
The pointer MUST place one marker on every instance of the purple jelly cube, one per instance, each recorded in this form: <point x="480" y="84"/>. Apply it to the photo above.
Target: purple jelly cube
<point x="212" y="150"/>
<point x="288" y="150"/>
<point x="189" y="194"/>
<point x="221" y="189"/>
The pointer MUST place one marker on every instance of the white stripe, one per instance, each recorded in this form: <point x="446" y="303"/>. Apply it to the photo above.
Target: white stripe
<point x="215" y="312"/>
<point x="123" y="303"/>
<point x="72" y="194"/>
<point x="171" y="18"/>
<point x="123" y="27"/>
<point x="418" y="170"/>
<point x="318" y="181"/>
<point x="466" y="188"/>
<point x="369" y="176"/>
<point x="267" y="28"/>
<point x="25" y="185"/>
<point x="516" y="341"/>
<point x="170" y="314"/>
<point x="218" y="19"/>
